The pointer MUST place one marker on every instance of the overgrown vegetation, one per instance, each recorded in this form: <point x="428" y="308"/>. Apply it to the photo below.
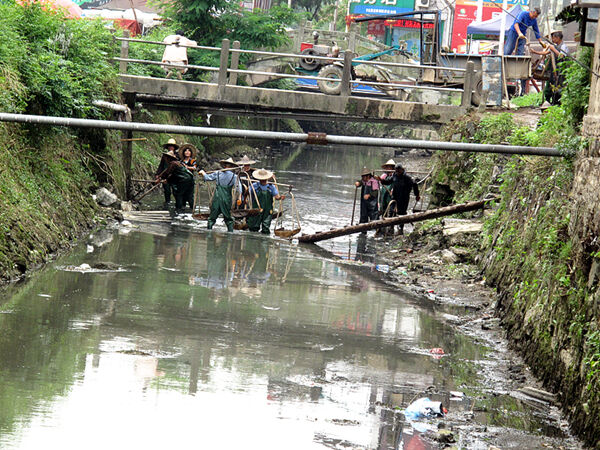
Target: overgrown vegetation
<point x="51" y="66"/>
<point x="527" y="248"/>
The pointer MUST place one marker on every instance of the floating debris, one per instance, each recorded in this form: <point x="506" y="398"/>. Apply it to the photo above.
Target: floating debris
<point x="424" y="407"/>
<point x="44" y="295"/>
<point x="134" y="352"/>
<point x="94" y="268"/>
<point x="170" y="269"/>
<point x="271" y="308"/>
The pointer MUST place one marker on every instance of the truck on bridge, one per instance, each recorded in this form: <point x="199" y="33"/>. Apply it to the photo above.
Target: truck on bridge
<point x="434" y="65"/>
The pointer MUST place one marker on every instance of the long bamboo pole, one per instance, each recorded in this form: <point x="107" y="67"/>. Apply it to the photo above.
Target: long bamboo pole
<point x="376" y="224"/>
<point x="317" y="139"/>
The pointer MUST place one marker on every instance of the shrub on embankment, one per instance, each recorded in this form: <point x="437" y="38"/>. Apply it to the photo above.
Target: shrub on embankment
<point x="51" y="66"/>
<point x="547" y="299"/>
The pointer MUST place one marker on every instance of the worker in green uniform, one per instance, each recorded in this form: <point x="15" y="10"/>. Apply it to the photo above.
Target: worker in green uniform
<point x="385" y="196"/>
<point x="226" y="180"/>
<point x="180" y="179"/>
<point x="246" y="177"/>
<point x="265" y="192"/>
<point x="171" y="145"/>
<point x="385" y="193"/>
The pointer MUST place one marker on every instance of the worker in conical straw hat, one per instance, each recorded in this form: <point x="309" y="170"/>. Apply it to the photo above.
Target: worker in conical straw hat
<point x="180" y="179"/>
<point x="385" y="193"/>
<point x="245" y="176"/>
<point x="401" y="185"/>
<point x="265" y="192"/>
<point x="368" y="195"/>
<point x="226" y="181"/>
<point x="171" y="145"/>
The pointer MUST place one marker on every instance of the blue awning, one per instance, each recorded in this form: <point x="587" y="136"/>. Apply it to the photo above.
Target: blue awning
<point x="492" y="27"/>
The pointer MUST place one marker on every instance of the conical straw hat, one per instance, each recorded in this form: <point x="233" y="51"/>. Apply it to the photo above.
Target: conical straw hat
<point x="389" y="164"/>
<point x="366" y="171"/>
<point x="262" y="174"/>
<point x="229" y="161"/>
<point x="245" y="161"/>
<point x="172" y="142"/>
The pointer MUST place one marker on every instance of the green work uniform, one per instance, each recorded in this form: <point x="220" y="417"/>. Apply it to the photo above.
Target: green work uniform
<point x="385" y="197"/>
<point x="221" y="204"/>
<point x="263" y="219"/>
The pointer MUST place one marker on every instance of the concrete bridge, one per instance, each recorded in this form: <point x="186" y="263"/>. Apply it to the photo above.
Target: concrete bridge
<point x="226" y="96"/>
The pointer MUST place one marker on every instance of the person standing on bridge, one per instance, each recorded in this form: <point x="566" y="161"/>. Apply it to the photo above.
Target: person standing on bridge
<point x="176" y="53"/>
<point x="171" y="145"/>
<point x="226" y="180"/>
<point x="368" y="196"/>
<point x="265" y="193"/>
<point x="401" y="185"/>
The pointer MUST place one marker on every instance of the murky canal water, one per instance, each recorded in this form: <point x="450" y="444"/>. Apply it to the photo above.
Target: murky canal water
<point x="191" y="339"/>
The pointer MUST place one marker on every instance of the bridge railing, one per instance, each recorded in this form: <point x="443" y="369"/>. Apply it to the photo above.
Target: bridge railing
<point x="227" y="72"/>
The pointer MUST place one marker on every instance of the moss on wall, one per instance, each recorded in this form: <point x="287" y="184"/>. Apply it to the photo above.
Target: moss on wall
<point x="548" y="301"/>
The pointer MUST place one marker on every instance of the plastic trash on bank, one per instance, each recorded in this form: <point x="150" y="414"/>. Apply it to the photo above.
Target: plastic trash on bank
<point x="424" y="408"/>
<point x="382" y="268"/>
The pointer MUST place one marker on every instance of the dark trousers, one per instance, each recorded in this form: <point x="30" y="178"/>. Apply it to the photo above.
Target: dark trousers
<point x="368" y="211"/>
<point x="184" y="193"/>
<point x="167" y="188"/>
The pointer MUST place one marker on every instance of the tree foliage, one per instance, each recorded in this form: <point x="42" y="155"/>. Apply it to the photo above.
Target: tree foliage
<point x="209" y="21"/>
<point x="52" y="65"/>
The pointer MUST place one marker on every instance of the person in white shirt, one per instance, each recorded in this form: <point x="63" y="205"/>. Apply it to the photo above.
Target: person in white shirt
<point x="176" y="53"/>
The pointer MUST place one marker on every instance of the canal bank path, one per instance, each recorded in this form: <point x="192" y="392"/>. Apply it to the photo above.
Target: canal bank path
<point x="170" y="336"/>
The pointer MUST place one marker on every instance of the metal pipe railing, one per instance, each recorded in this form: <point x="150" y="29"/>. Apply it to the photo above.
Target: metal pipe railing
<point x="295" y="56"/>
<point x="311" y="138"/>
<point x="157" y="63"/>
<point x="287" y="75"/>
<point x="140" y="41"/>
<point x="366" y="83"/>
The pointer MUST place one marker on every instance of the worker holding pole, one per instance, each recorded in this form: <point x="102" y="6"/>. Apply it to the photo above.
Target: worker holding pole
<point x="401" y="184"/>
<point x="265" y="193"/>
<point x="368" y="196"/>
<point x="170" y="146"/>
<point x="226" y="181"/>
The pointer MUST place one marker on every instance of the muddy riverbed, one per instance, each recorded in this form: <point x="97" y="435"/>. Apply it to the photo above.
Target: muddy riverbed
<point x="166" y="335"/>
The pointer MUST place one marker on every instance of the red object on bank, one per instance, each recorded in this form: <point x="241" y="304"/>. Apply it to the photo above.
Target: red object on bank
<point x="71" y="9"/>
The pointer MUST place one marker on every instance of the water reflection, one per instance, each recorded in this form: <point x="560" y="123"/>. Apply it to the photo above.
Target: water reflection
<point x="224" y="341"/>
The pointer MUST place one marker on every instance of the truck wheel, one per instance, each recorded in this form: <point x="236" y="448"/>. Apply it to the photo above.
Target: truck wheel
<point x="477" y="90"/>
<point x="308" y="63"/>
<point x="330" y="87"/>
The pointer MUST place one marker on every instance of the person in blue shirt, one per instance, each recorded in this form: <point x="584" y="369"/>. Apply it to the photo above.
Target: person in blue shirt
<point x="265" y="192"/>
<point x="516" y="34"/>
<point x="226" y="180"/>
